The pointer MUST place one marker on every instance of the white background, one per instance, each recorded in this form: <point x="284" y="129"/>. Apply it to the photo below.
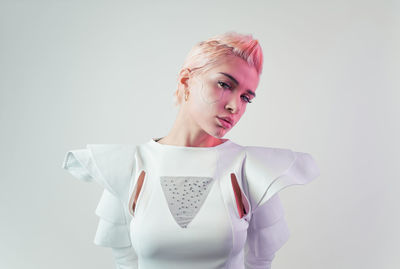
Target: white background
<point x="84" y="72"/>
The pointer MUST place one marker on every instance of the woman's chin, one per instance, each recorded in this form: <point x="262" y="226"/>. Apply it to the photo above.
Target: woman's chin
<point x="220" y="132"/>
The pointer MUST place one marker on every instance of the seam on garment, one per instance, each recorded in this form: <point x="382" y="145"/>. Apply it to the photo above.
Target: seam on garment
<point x="132" y="184"/>
<point x="127" y="230"/>
<point x="246" y="188"/>
<point x="151" y="191"/>
<point x="130" y="193"/>
<point x="228" y="262"/>
<point x="247" y="183"/>
<point x="277" y="178"/>
<point x="147" y="170"/>
<point x="134" y="189"/>
<point x="132" y="175"/>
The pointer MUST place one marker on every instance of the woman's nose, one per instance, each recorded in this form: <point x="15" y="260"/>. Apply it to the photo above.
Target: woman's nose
<point x="234" y="103"/>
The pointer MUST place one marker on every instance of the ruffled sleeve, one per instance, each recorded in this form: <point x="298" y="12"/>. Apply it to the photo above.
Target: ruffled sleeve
<point x="267" y="233"/>
<point x="112" y="167"/>
<point x="266" y="172"/>
<point x="269" y="170"/>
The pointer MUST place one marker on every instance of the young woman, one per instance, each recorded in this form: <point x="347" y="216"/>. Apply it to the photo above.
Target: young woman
<point x="192" y="199"/>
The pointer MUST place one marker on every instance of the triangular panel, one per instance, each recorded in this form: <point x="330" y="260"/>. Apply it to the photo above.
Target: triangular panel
<point x="185" y="196"/>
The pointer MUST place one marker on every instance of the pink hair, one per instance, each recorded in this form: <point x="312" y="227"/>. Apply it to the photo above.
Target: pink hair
<point x="209" y="53"/>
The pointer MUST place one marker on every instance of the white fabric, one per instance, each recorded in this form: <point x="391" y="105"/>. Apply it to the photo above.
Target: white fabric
<point x="267" y="233"/>
<point x="125" y="258"/>
<point x="212" y="237"/>
<point x="113" y="227"/>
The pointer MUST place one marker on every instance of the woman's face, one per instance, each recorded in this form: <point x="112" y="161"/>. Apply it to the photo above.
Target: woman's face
<point x="223" y="91"/>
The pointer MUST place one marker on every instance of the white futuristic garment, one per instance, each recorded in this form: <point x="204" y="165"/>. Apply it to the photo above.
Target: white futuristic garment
<point x="176" y="207"/>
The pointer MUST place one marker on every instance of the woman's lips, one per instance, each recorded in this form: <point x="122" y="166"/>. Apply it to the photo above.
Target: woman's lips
<point x="224" y="123"/>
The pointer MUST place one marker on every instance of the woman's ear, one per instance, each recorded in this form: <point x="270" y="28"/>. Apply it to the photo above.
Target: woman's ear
<point x="184" y="76"/>
<point x="183" y="84"/>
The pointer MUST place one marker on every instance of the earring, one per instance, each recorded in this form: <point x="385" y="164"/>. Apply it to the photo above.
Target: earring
<point x="186" y="95"/>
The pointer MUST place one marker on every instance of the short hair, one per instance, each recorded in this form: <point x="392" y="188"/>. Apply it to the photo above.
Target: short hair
<point x="209" y="53"/>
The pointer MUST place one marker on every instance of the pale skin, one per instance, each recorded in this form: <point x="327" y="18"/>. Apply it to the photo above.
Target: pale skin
<point x="196" y="124"/>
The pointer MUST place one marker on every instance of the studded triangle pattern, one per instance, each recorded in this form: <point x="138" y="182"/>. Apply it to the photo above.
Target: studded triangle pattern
<point x="185" y="196"/>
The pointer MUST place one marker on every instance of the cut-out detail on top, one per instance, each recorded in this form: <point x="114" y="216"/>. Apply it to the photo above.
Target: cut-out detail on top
<point x="242" y="204"/>
<point x="136" y="192"/>
<point x="185" y="196"/>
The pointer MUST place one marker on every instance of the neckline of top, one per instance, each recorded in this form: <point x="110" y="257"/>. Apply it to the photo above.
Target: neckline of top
<point x="165" y="146"/>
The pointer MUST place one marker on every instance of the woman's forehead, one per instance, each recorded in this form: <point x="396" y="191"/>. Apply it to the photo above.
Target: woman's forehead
<point x="237" y="70"/>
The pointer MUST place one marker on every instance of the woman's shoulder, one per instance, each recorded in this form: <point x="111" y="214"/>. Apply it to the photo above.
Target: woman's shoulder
<point x="267" y="170"/>
<point x="110" y="165"/>
<point x="275" y="159"/>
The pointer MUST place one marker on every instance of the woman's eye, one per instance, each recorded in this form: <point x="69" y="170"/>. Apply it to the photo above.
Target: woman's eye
<point x="223" y="84"/>
<point x="247" y="99"/>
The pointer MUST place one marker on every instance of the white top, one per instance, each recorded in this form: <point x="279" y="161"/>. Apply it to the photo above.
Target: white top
<point x="186" y="214"/>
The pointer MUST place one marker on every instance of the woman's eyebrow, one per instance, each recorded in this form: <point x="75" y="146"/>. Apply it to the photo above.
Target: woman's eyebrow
<point x="234" y="80"/>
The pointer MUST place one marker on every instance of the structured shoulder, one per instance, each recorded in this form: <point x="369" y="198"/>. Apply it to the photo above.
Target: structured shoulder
<point x="110" y="165"/>
<point x="267" y="170"/>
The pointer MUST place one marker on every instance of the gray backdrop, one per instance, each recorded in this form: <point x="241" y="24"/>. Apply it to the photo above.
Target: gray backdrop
<point x="83" y="72"/>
